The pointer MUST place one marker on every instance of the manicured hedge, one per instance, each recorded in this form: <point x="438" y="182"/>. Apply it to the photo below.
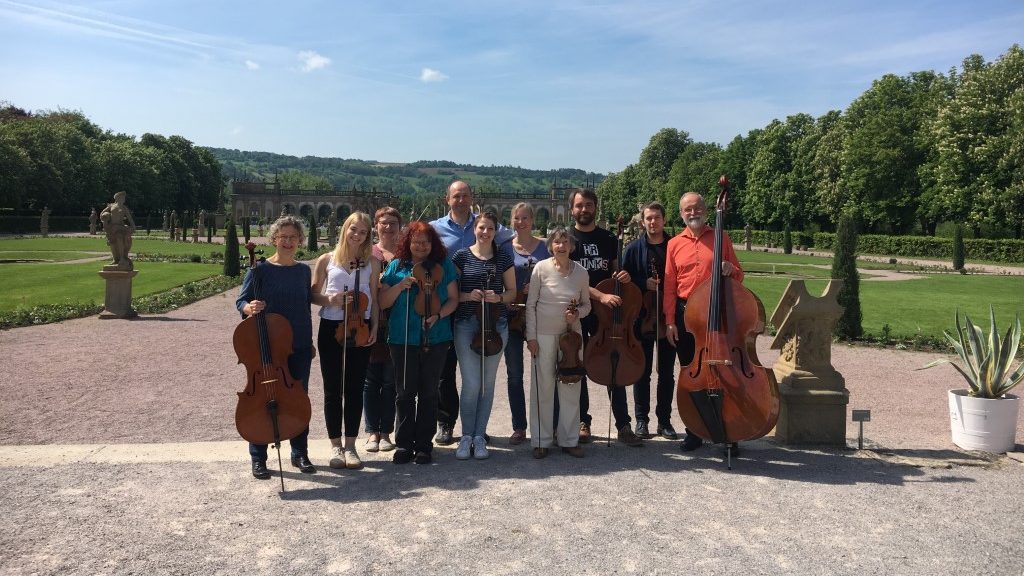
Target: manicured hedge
<point x="18" y="224"/>
<point x="1004" y="250"/>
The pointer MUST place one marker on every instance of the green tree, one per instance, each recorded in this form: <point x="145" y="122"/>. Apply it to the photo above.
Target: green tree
<point x="696" y="169"/>
<point x="231" y="267"/>
<point x="844" y="267"/>
<point x="656" y="160"/>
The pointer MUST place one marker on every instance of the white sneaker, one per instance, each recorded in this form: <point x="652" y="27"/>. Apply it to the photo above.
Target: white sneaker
<point x="462" y="452"/>
<point x="480" y="448"/>
<point x="352" y="461"/>
<point x="337" y="457"/>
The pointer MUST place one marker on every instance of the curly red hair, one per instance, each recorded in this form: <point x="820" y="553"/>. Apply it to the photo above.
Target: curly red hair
<point x="437" y="249"/>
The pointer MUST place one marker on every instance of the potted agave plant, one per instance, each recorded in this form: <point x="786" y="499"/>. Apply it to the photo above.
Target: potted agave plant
<point x="984" y="416"/>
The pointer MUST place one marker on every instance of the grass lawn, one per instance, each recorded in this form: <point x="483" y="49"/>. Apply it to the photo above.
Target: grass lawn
<point x="35" y="284"/>
<point x="99" y="244"/>
<point x="925" y="306"/>
<point x="50" y="255"/>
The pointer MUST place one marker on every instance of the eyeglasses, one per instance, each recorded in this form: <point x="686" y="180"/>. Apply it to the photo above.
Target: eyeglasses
<point x="420" y="242"/>
<point x="288" y="238"/>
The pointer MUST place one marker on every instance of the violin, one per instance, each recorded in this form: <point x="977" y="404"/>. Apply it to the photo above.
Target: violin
<point x="273" y="406"/>
<point x="487" y="341"/>
<point x="380" y="351"/>
<point x="614" y="356"/>
<point x="724" y="394"/>
<point x="517" y="314"/>
<point x="570" y="369"/>
<point x="428" y="275"/>
<point x="355" y="330"/>
<point x="652" y="326"/>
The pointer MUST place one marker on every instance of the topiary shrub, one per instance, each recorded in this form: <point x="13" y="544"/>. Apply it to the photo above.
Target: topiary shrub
<point x="844" y="267"/>
<point x="231" y="266"/>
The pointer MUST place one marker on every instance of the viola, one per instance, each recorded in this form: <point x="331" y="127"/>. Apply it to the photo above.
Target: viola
<point x="487" y="341"/>
<point x="273" y="406"/>
<point x="614" y="356"/>
<point x="724" y="394"/>
<point x="570" y="369"/>
<point x="652" y="325"/>
<point x="517" y="309"/>
<point x="355" y="330"/>
<point x="428" y="275"/>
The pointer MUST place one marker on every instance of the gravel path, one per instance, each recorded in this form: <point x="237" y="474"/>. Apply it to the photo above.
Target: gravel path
<point x="119" y="456"/>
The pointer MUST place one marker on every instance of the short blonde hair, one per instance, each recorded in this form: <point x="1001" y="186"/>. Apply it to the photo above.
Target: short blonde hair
<point x="521" y="206"/>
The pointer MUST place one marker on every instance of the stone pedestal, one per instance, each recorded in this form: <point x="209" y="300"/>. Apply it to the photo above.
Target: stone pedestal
<point x="118" y="300"/>
<point x="813" y="394"/>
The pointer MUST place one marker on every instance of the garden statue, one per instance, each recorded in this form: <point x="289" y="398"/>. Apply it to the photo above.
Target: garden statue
<point x="172" y="220"/>
<point x="119" y="226"/>
<point x="92" y="221"/>
<point x="747" y="233"/>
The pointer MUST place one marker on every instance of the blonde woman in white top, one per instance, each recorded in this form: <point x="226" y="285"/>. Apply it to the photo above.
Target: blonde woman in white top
<point x="555" y="282"/>
<point x="334" y="281"/>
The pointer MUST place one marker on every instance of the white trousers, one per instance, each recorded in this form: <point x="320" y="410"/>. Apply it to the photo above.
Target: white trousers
<point x="543" y="385"/>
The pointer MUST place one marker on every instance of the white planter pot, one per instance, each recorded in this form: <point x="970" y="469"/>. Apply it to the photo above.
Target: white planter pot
<point x="988" y="424"/>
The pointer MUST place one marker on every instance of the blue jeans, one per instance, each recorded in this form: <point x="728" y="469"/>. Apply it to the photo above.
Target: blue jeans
<point x="477" y="397"/>
<point x="298" y="364"/>
<point x="514" y="371"/>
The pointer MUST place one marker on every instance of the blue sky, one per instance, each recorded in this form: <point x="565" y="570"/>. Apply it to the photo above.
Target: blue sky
<point x="581" y="84"/>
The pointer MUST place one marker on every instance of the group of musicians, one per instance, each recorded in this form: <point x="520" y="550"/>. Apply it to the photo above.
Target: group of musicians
<point x="406" y="384"/>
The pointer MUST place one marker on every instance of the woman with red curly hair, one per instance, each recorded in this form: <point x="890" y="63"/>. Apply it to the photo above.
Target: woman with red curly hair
<point x="417" y="367"/>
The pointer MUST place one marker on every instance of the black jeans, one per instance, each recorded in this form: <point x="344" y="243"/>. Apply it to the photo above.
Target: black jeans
<point x="665" y="387"/>
<point x="335" y="384"/>
<point x="620" y="411"/>
<point x="416" y="394"/>
<point x="447" y="391"/>
<point x="298" y="364"/>
<point x="379" y="397"/>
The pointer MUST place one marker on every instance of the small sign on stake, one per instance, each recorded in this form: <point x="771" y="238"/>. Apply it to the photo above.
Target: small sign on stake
<point x="861" y="416"/>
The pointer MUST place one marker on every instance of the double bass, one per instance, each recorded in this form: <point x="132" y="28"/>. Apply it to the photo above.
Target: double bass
<point x="724" y="395"/>
<point x="273" y="406"/>
<point x="613" y="356"/>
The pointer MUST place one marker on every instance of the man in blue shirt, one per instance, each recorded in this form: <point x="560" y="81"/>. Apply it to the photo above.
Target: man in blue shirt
<point x="456" y="231"/>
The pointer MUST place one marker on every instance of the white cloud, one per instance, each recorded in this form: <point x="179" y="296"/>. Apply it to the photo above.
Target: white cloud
<point x="431" y="75"/>
<point x="313" y="61"/>
<point x="252" y="65"/>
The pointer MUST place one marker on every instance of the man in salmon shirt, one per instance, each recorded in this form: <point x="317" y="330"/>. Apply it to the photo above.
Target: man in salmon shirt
<point x="688" y="261"/>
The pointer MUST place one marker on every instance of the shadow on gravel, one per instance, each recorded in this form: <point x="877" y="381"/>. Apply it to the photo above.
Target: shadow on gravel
<point x="659" y="461"/>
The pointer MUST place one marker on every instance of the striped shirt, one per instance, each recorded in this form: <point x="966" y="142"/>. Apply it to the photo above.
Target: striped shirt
<point x="473" y="276"/>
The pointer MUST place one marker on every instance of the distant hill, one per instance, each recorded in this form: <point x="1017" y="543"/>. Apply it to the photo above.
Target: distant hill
<point x="427" y="177"/>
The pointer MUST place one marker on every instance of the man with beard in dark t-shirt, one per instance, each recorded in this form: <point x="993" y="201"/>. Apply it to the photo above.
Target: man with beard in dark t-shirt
<point x="597" y="251"/>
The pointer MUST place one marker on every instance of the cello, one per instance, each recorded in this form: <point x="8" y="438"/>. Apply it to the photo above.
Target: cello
<point x="613" y="355"/>
<point x="273" y="406"/>
<point x="724" y="395"/>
